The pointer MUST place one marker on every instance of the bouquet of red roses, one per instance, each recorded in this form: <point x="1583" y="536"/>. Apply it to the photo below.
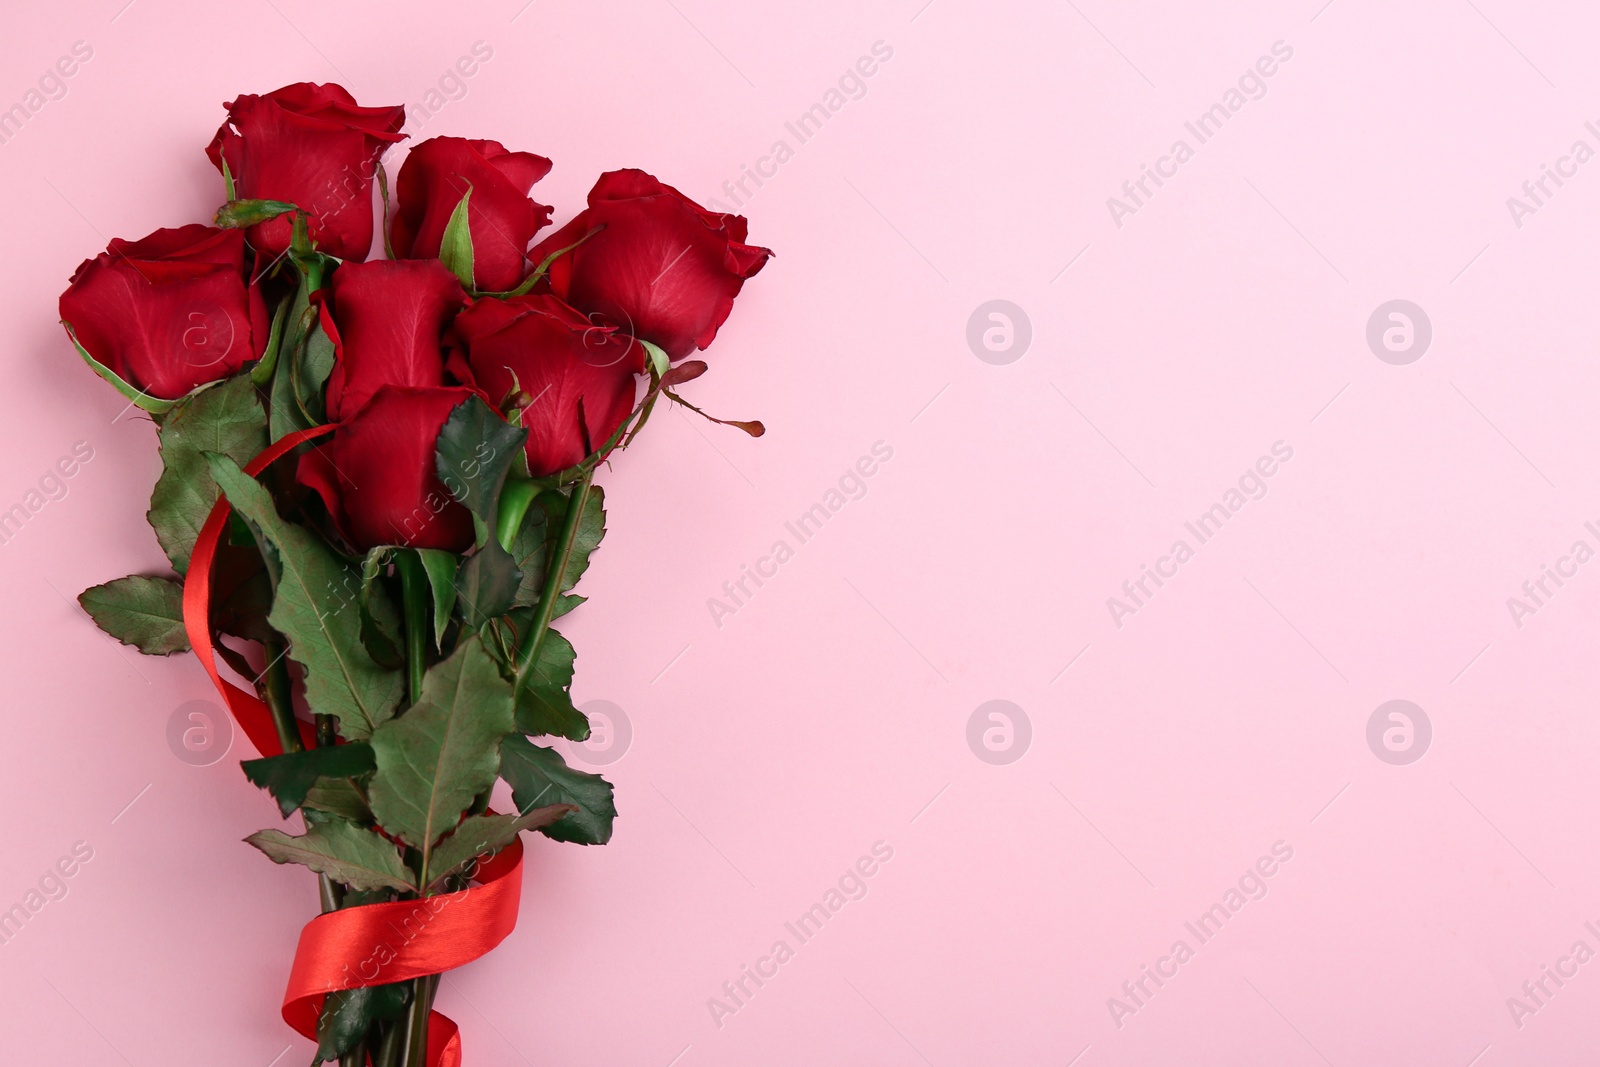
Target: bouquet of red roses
<point x="377" y="497"/>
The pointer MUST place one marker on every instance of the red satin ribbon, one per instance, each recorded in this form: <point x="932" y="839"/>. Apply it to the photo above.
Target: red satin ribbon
<point x="374" y="944"/>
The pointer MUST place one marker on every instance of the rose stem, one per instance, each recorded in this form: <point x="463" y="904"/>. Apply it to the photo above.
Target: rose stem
<point x="414" y="596"/>
<point x="357" y="1056"/>
<point x="275" y="691"/>
<point x="389" y="1048"/>
<point x="533" y="640"/>
<point x="416" y="1040"/>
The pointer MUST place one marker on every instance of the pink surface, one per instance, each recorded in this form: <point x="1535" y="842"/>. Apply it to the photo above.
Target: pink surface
<point x="772" y="746"/>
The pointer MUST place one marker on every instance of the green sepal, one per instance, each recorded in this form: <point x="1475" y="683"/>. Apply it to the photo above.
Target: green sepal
<point x="544" y="267"/>
<point x="138" y="397"/>
<point x="261" y="373"/>
<point x="301" y="248"/>
<point x="383" y="190"/>
<point x="660" y="362"/>
<point x="238" y="214"/>
<point x="440" y="567"/>
<point x="516" y="497"/>
<point x="455" y="247"/>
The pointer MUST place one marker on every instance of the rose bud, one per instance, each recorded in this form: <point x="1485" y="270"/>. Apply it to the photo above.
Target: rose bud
<point x="389" y="315"/>
<point x="500" y="217"/>
<point x="377" y="476"/>
<point x="535" y="353"/>
<point x="167" y="313"/>
<point x="314" y="147"/>
<point x="663" y="268"/>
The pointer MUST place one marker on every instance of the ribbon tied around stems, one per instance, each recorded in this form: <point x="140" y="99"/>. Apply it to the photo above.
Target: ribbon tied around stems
<point x="371" y="944"/>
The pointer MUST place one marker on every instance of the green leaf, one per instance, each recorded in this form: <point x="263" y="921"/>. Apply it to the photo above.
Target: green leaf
<point x="440" y="566"/>
<point x="487" y="586"/>
<point x="539" y="775"/>
<point x="531" y="546"/>
<point x="343" y="851"/>
<point x="347" y="1014"/>
<point x="227" y="178"/>
<point x="146" y="613"/>
<point x="341" y="797"/>
<point x="591" y="529"/>
<point x="434" y="760"/>
<point x="530" y="550"/>
<point x="481" y="836"/>
<point x="313" y="589"/>
<point x="311" y="374"/>
<point x="545" y="706"/>
<point x="290" y="776"/>
<point x="476" y="448"/>
<point x="241" y="594"/>
<point x="302" y="250"/>
<point x="227" y="420"/>
<point x="141" y="399"/>
<point x="286" y="416"/>
<point x="238" y="214"/>
<point x="455" y="248"/>
<point x="380" y="619"/>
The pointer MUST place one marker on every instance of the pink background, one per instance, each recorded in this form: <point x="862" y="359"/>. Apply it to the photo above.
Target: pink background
<point x="830" y="711"/>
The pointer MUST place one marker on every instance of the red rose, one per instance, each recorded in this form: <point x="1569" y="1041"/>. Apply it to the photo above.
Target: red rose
<point x="377" y="475"/>
<point x="167" y="313"/>
<point x="389" y="316"/>
<point x="554" y="357"/>
<point x="500" y="217"/>
<point x="313" y="146"/>
<point x="663" y="268"/>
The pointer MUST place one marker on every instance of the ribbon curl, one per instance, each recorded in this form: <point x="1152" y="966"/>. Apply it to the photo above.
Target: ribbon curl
<point x="394" y="941"/>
